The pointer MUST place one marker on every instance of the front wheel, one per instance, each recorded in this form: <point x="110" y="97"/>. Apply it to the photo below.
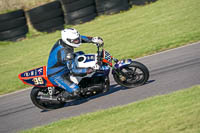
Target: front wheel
<point x="132" y="75"/>
<point x="47" y="104"/>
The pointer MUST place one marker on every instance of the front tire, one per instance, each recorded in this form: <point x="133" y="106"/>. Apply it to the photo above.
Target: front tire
<point x="135" y="74"/>
<point x="48" y="105"/>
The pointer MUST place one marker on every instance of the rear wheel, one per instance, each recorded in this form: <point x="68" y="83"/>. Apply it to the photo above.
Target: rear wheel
<point x="133" y="75"/>
<point x="47" y="104"/>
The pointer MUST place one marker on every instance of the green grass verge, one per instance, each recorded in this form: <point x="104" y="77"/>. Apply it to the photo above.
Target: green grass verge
<point x="140" y="31"/>
<point x="173" y="113"/>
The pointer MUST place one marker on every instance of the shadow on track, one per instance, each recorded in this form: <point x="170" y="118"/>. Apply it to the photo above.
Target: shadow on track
<point x="113" y="88"/>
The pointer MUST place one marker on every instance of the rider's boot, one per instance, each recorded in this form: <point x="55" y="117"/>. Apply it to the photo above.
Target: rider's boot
<point x="106" y="85"/>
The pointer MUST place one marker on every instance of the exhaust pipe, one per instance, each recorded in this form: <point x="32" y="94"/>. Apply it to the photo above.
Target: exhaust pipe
<point x="48" y="99"/>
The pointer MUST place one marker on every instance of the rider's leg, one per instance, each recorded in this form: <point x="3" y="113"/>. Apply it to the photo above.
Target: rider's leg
<point x="65" y="83"/>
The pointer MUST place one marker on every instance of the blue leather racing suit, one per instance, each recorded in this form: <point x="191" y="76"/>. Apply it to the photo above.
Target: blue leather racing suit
<point x="59" y="66"/>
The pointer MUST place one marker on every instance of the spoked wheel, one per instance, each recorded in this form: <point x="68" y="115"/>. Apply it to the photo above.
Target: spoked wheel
<point x="41" y="99"/>
<point x="133" y="75"/>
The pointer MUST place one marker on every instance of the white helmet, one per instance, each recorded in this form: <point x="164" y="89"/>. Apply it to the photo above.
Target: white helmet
<point x="71" y="37"/>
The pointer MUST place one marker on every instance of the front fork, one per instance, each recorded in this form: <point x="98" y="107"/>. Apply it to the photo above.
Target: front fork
<point x="117" y="68"/>
<point x="119" y="73"/>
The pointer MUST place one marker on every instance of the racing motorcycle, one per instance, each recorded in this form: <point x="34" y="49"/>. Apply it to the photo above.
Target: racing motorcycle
<point x="127" y="73"/>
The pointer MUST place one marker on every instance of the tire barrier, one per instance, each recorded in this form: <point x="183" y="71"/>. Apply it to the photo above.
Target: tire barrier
<point x="52" y="16"/>
<point x="13" y="26"/>
<point x="111" y="6"/>
<point x="140" y="2"/>
<point x="76" y="4"/>
<point x="50" y="25"/>
<point x="48" y="17"/>
<point x="78" y="11"/>
<point x="81" y="20"/>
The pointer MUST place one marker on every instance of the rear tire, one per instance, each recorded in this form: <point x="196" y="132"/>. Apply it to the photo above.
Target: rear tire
<point x="12" y="24"/>
<point x="85" y="12"/>
<point x="14" y="34"/>
<point x="42" y="105"/>
<point x="77" y="5"/>
<point x="49" y="25"/>
<point x="111" y="6"/>
<point x="11" y="15"/>
<point x="81" y="20"/>
<point x="136" y="74"/>
<point x="45" y="16"/>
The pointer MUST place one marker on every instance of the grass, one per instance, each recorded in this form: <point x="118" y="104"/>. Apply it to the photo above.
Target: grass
<point x="173" y="113"/>
<point x="140" y="31"/>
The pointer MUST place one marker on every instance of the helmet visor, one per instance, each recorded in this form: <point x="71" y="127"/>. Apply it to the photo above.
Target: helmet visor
<point x="75" y="41"/>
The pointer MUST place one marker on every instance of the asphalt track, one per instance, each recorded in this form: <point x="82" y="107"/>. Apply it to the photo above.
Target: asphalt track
<point x="169" y="71"/>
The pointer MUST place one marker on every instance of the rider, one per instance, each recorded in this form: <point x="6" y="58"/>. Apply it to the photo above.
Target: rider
<point x="61" y="59"/>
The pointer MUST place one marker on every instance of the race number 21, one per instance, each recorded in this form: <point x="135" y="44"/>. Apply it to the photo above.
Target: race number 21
<point x="38" y="81"/>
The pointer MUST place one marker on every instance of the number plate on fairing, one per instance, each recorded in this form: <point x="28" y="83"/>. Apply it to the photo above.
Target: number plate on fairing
<point x="38" y="81"/>
<point x="85" y="61"/>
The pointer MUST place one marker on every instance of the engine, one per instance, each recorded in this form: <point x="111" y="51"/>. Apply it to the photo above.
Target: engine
<point x="93" y="83"/>
<point x="92" y="86"/>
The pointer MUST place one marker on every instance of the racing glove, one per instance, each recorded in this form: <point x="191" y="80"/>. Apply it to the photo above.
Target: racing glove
<point x="98" y="41"/>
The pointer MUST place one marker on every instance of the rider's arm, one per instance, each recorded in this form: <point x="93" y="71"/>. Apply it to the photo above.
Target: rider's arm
<point x="71" y="65"/>
<point x="75" y="70"/>
<point x="68" y="59"/>
<point x="86" y="39"/>
<point x="78" y="71"/>
<point x="95" y="40"/>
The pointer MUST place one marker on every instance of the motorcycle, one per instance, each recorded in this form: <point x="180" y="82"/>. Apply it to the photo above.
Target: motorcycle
<point x="45" y="95"/>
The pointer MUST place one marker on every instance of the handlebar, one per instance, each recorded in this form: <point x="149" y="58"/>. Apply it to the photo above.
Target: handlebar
<point x="99" y="45"/>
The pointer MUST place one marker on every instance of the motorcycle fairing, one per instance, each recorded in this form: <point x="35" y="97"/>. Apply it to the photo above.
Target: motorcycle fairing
<point x="31" y="73"/>
<point x="36" y="77"/>
<point x="86" y="60"/>
<point x="105" y="70"/>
